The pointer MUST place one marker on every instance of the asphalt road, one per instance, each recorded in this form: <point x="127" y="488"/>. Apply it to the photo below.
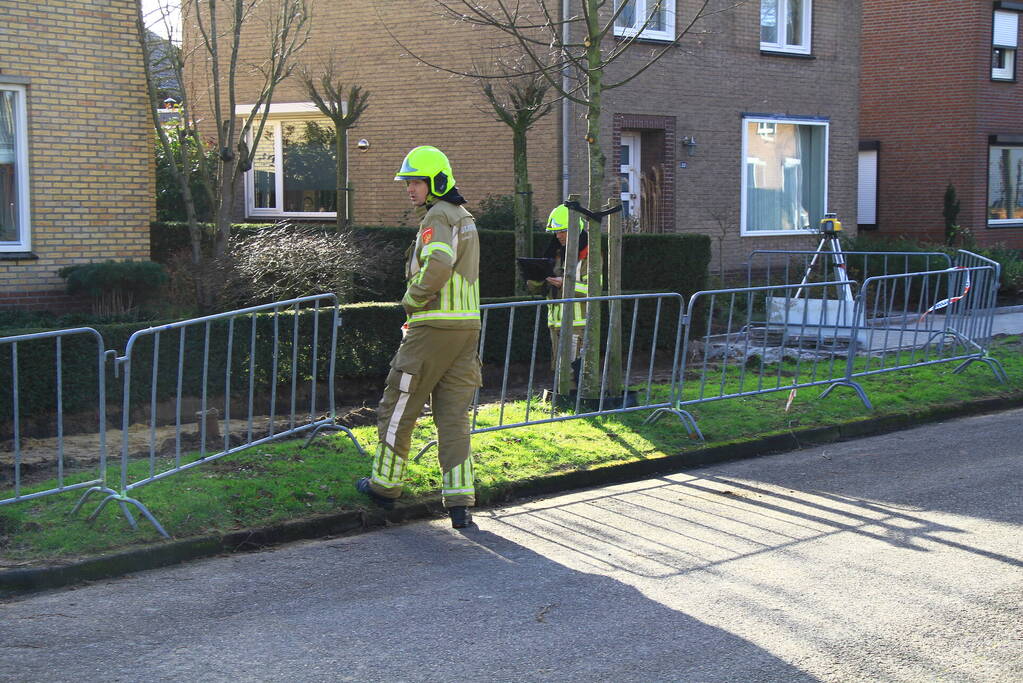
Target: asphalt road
<point x="892" y="558"/>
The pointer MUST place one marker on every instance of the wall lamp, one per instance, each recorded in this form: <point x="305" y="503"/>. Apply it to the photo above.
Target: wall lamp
<point x="689" y="142"/>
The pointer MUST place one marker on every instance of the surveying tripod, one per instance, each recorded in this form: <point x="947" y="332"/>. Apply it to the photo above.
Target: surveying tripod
<point x="829" y="229"/>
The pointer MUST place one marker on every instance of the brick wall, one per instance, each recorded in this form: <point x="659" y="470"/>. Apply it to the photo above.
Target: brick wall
<point x="931" y="103"/>
<point x="700" y="89"/>
<point x="705" y="85"/>
<point x="412" y="104"/>
<point x="90" y="139"/>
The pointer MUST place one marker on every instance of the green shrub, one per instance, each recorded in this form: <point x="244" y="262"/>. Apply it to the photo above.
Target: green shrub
<point x="1011" y="280"/>
<point x="115" y="287"/>
<point x="497" y="212"/>
<point x="666" y="263"/>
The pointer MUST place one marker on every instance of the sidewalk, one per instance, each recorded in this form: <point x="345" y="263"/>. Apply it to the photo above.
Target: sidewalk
<point x="1008" y="320"/>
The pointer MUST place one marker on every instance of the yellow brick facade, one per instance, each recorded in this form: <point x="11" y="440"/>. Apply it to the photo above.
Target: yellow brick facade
<point x="89" y="138"/>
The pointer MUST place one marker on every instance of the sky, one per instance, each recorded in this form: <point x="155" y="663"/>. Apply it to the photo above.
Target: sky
<point x="151" y="13"/>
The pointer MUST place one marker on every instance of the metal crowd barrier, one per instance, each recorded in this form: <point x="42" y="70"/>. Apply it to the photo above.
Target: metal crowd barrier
<point x="918" y="319"/>
<point x="59" y="357"/>
<point x="516" y="335"/>
<point x="763" y="339"/>
<point x="988" y="297"/>
<point x="274" y="360"/>
<point x="759" y="340"/>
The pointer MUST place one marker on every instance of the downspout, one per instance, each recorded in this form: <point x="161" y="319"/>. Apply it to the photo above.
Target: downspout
<point x="564" y="105"/>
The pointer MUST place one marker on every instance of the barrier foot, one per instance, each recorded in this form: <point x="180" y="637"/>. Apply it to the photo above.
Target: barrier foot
<point x="89" y="492"/>
<point x="425" y="448"/>
<point x="854" y="386"/>
<point x="687" y="419"/>
<point x="123" y="501"/>
<point x="145" y="511"/>
<point x="335" y="428"/>
<point x="996" y="367"/>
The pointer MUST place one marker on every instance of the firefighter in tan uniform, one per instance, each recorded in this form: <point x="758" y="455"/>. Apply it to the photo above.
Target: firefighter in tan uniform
<point x="438" y="357"/>
<point x="557" y="226"/>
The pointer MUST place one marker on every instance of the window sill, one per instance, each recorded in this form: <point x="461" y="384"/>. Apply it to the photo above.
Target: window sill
<point x="996" y="79"/>
<point x="657" y="40"/>
<point x="785" y="53"/>
<point x="778" y="233"/>
<point x="18" y="256"/>
<point x="1002" y="226"/>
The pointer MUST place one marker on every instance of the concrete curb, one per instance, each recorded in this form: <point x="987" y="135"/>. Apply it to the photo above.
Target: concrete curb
<point x="14" y="581"/>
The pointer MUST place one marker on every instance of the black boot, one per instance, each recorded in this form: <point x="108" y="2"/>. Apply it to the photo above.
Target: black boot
<point x="460" y="517"/>
<point x="362" y="486"/>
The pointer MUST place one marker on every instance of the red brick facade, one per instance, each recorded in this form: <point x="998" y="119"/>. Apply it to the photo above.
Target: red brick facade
<point x="928" y="98"/>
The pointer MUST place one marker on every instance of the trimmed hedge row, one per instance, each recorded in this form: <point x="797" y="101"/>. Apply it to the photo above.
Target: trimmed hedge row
<point x="661" y="263"/>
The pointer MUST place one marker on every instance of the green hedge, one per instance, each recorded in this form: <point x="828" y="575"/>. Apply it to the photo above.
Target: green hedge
<point x="665" y="263"/>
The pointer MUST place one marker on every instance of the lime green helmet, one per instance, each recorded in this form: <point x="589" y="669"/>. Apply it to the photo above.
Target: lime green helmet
<point x="429" y="164"/>
<point x="558" y="220"/>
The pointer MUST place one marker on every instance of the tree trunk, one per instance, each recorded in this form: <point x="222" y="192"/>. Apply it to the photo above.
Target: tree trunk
<point x="590" y="375"/>
<point x="522" y="202"/>
<point x="614" y="288"/>
<point x="341" y="206"/>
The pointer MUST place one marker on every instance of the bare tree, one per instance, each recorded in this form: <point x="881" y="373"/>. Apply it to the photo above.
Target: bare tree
<point x="518" y="102"/>
<point x="343" y="106"/>
<point x="207" y="66"/>
<point x="572" y="52"/>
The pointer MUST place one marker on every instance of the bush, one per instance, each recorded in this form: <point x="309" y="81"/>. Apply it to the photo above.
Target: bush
<point x="285" y="261"/>
<point x="115" y="287"/>
<point x="1011" y="280"/>
<point x="497" y="212"/>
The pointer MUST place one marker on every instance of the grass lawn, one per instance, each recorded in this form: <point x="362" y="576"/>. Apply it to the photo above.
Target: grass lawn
<point x="283" y="481"/>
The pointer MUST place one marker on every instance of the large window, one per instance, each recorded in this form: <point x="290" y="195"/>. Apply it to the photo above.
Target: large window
<point x="1004" y="40"/>
<point x="785" y="25"/>
<point x="785" y="170"/>
<point x="1005" y="185"/>
<point x="294" y="171"/>
<point x="661" y="15"/>
<point x="14" y="205"/>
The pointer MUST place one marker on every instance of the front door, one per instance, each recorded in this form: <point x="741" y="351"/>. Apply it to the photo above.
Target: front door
<point x="629" y="156"/>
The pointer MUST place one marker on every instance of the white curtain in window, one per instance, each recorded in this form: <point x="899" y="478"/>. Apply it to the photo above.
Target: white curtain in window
<point x="794" y="24"/>
<point x="8" y="167"/>
<point x="784" y="177"/>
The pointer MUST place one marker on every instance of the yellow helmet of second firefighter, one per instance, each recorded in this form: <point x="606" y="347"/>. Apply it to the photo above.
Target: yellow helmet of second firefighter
<point x="429" y="164"/>
<point x="558" y="220"/>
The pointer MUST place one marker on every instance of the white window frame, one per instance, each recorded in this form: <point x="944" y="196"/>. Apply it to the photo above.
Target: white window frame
<point x="1004" y="36"/>
<point x="748" y="161"/>
<point x="21" y="178"/>
<point x="641" y="17"/>
<point x="999" y="222"/>
<point x="805" y="41"/>
<point x="285" y="111"/>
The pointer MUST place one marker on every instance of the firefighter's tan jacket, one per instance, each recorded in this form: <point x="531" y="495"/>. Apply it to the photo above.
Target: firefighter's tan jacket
<point x="442" y="271"/>
<point x="581" y="290"/>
